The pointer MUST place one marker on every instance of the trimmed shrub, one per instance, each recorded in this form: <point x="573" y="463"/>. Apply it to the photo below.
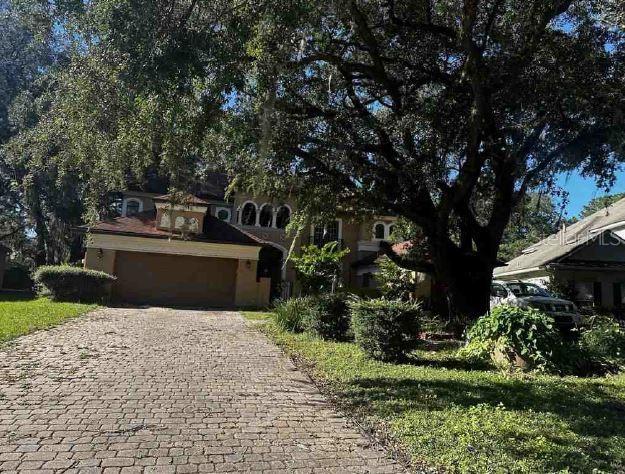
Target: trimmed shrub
<point x="65" y="283"/>
<point x="289" y="314"/>
<point x="604" y="340"/>
<point x="17" y="277"/>
<point x="514" y="337"/>
<point x="327" y="317"/>
<point x="386" y="330"/>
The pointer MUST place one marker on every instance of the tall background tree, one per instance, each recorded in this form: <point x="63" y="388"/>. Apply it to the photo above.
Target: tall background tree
<point x="446" y="113"/>
<point x="600" y="203"/>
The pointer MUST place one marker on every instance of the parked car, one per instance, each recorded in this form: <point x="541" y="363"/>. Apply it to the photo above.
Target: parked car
<point x="530" y="295"/>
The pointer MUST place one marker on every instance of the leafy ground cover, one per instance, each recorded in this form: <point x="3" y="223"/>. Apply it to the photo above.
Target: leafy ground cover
<point x="463" y="418"/>
<point x="21" y="314"/>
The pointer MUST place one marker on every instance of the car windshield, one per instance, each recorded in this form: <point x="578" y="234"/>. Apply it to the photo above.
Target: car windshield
<point x="527" y="289"/>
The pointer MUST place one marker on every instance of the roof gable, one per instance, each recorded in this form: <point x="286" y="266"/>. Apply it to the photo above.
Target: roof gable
<point x="567" y="240"/>
<point x="144" y="225"/>
<point x="605" y="246"/>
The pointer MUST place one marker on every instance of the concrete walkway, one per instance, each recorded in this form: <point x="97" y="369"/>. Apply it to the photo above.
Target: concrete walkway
<point x="161" y="390"/>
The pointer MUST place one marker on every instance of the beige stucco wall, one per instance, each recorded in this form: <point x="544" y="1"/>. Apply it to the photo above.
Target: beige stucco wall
<point x="100" y="259"/>
<point x="176" y="213"/>
<point x="423" y="285"/>
<point x="249" y="292"/>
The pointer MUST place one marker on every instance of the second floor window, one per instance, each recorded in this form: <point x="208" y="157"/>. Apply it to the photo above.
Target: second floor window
<point x="330" y="232"/>
<point x="248" y="214"/>
<point x="266" y="216"/>
<point x="133" y="207"/>
<point x="283" y="217"/>
<point x="379" y="231"/>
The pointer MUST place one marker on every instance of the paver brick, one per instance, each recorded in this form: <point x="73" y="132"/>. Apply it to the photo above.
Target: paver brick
<point x="123" y="391"/>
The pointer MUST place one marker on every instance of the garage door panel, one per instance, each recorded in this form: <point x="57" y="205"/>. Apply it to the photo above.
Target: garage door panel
<point x="178" y="280"/>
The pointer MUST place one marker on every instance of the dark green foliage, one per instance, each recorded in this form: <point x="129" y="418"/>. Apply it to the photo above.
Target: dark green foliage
<point x="395" y="282"/>
<point x="604" y="340"/>
<point x="386" y="330"/>
<point x="290" y="313"/>
<point x="511" y="335"/>
<point x="17" y="277"/>
<point x="327" y="317"/>
<point x="443" y="113"/>
<point x="536" y="218"/>
<point x="65" y="283"/>
<point x="600" y="203"/>
<point x="317" y="267"/>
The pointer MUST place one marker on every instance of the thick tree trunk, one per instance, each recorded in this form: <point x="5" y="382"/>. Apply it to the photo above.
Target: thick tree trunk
<point x="465" y="280"/>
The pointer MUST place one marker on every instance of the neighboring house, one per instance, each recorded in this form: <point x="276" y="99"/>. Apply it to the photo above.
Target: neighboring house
<point x="3" y="258"/>
<point x="588" y="257"/>
<point x="213" y="251"/>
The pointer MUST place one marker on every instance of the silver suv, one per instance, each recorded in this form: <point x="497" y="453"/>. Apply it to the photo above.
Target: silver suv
<point x="530" y="295"/>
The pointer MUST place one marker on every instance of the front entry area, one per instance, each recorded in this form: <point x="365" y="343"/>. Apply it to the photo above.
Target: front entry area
<point x="270" y="261"/>
<point x="174" y="280"/>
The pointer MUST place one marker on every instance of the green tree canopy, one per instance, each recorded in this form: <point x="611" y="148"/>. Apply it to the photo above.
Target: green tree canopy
<point x="445" y="113"/>
<point x="534" y="219"/>
<point x="598" y="203"/>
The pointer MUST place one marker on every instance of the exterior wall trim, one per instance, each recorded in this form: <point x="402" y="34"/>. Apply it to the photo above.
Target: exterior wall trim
<point x="180" y="207"/>
<point x="518" y="272"/>
<point x="128" y="200"/>
<point x="172" y="247"/>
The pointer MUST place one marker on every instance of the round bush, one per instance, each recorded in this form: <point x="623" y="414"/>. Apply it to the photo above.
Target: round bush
<point x="515" y="337"/>
<point x="386" y="330"/>
<point x="604" y="340"/>
<point x="65" y="283"/>
<point x="327" y="317"/>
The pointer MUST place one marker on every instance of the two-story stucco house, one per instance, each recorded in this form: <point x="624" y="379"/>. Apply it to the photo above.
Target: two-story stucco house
<point x="207" y="250"/>
<point x="588" y="256"/>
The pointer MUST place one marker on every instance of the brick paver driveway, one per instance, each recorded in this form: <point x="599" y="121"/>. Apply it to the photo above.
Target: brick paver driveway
<point x="160" y="390"/>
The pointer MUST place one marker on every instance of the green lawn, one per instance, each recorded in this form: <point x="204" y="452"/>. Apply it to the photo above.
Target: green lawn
<point x="461" y="418"/>
<point x="21" y="314"/>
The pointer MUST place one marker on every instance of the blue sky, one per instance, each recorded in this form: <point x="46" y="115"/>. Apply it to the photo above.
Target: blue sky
<point x="581" y="190"/>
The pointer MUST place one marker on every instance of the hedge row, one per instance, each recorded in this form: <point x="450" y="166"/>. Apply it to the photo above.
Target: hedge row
<point x="385" y="329"/>
<point x="66" y="283"/>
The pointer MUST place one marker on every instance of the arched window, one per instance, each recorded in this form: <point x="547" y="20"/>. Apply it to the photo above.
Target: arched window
<point x="379" y="231"/>
<point x="132" y="207"/>
<point x="194" y="225"/>
<point x="165" y="220"/>
<point x="248" y="214"/>
<point x="391" y="229"/>
<point x="266" y="215"/>
<point x="283" y="217"/>
<point x="179" y="223"/>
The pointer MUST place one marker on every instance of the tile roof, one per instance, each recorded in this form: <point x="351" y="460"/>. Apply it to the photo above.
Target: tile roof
<point x="188" y="199"/>
<point x="212" y="186"/>
<point x="401" y="249"/>
<point x="144" y="225"/>
<point x="565" y="241"/>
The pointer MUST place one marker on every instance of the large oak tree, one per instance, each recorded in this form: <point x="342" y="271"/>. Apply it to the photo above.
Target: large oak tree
<point x="445" y="112"/>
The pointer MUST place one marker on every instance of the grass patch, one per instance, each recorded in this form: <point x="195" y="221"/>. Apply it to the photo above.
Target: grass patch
<point x="257" y="315"/>
<point x="21" y="314"/>
<point x="463" y="418"/>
